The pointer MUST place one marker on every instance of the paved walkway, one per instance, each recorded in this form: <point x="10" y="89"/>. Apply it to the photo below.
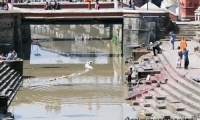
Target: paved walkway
<point x="194" y="60"/>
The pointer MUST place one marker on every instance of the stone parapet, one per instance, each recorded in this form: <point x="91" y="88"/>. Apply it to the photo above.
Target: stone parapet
<point x="17" y="65"/>
<point x="64" y="5"/>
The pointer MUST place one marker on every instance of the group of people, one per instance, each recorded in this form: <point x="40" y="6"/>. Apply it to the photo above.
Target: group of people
<point x="182" y="51"/>
<point x="49" y="6"/>
<point x="12" y="55"/>
<point x="4" y="6"/>
<point x="97" y="7"/>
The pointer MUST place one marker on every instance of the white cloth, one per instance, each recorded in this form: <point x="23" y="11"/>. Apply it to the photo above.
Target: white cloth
<point x="178" y="58"/>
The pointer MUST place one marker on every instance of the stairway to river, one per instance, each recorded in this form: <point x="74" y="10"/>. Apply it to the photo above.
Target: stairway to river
<point x="10" y="82"/>
<point x="188" y="31"/>
<point x="169" y="96"/>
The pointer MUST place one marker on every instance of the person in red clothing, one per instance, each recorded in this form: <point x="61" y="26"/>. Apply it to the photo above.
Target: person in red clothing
<point x="89" y="5"/>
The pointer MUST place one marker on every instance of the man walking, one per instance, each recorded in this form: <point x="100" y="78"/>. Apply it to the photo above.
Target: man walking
<point x="186" y="59"/>
<point x="172" y="38"/>
<point x="156" y="46"/>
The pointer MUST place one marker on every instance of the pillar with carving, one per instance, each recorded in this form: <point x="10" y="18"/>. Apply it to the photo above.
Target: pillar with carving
<point x="188" y="7"/>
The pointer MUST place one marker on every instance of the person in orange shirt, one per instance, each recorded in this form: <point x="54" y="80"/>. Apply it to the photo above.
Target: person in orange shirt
<point x="89" y="5"/>
<point x="183" y="45"/>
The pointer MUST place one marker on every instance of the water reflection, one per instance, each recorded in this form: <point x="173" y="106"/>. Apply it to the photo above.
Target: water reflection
<point x="58" y="50"/>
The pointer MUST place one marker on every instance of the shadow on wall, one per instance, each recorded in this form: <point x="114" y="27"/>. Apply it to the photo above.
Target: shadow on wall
<point x="157" y="2"/>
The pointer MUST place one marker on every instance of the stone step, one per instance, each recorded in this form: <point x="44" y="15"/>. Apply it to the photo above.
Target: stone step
<point x="184" y="25"/>
<point x="180" y="82"/>
<point x="180" y="37"/>
<point x="175" y="40"/>
<point x="183" y="32"/>
<point x="197" y="39"/>
<point x="184" y="91"/>
<point x="161" y="108"/>
<point x="14" y="86"/>
<point x="185" y="35"/>
<point x="5" y="83"/>
<point x="180" y="97"/>
<point x="15" y="91"/>
<point x="146" y="105"/>
<point x="186" y="115"/>
<point x="147" y="96"/>
<point x="3" y="69"/>
<point x="7" y="76"/>
<point x="160" y="97"/>
<point x="156" y="114"/>
<point x="185" y="29"/>
<point x="187" y="89"/>
<point x="2" y="65"/>
<point x="9" y="83"/>
<point x="167" y="115"/>
<point x="175" y="107"/>
<point x="172" y="100"/>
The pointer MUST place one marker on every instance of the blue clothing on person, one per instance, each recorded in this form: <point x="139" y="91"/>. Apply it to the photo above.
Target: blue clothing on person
<point x="133" y="6"/>
<point x="186" y="54"/>
<point x="172" y="38"/>
<point x="9" y="57"/>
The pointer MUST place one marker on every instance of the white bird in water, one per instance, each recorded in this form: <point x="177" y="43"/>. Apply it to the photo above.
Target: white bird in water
<point x="87" y="65"/>
<point x="52" y="79"/>
<point x="64" y="76"/>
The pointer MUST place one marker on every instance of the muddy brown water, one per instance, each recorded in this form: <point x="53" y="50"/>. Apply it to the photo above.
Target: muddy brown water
<point x="96" y="94"/>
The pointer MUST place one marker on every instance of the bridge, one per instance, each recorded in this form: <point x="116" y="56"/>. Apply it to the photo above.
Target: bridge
<point x="132" y="22"/>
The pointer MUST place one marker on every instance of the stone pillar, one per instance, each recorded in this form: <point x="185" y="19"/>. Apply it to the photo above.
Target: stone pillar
<point x="26" y="41"/>
<point x="18" y="37"/>
<point x="111" y="31"/>
<point x="116" y="4"/>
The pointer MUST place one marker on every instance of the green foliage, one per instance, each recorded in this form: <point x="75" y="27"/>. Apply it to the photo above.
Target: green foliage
<point x="115" y="41"/>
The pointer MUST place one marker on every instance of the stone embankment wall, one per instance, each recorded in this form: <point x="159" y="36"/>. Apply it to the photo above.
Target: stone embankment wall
<point x="64" y="5"/>
<point x="143" y="29"/>
<point x="6" y="33"/>
<point x="10" y="34"/>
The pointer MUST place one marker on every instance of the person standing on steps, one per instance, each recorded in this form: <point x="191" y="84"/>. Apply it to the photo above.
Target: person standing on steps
<point x="157" y="47"/>
<point x="133" y="5"/>
<point x="186" y="59"/>
<point x="172" y="38"/>
<point x="183" y="44"/>
<point x="180" y="54"/>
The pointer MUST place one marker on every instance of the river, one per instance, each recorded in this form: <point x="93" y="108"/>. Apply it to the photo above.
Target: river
<point x="58" y="86"/>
